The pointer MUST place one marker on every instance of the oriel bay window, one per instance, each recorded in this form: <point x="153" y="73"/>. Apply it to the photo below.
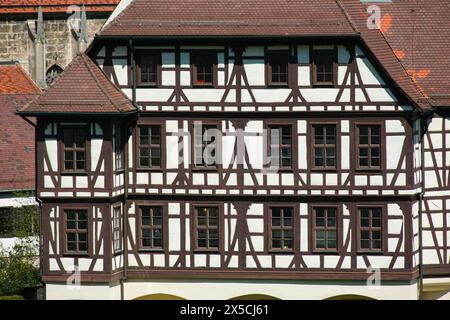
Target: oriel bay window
<point x="74" y="144"/>
<point x="117" y="243"/>
<point x="118" y="148"/>
<point x="369" y="147"/>
<point x="278" y="66"/>
<point x="206" y="143"/>
<point x="281" y="228"/>
<point x="280" y="146"/>
<point x="76" y="232"/>
<point x="370" y="229"/>
<point x="204" y="68"/>
<point x="149" y="147"/>
<point x="325" y="229"/>
<point x="147" y="68"/>
<point x="324" y="147"/>
<point x="151" y="235"/>
<point x="207" y="228"/>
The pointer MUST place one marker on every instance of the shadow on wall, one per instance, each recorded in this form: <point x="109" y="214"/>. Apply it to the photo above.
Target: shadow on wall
<point x="250" y="297"/>
<point x="350" y="297"/>
<point x="161" y="296"/>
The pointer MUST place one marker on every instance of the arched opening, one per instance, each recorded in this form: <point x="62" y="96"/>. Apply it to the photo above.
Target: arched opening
<point x="255" y="297"/>
<point x="53" y="73"/>
<point x="160" y="296"/>
<point x="350" y="297"/>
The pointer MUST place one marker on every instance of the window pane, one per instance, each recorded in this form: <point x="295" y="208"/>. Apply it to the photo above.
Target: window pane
<point x="201" y="243"/>
<point x="71" y="237"/>
<point x="71" y="246"/>
<point x="82" y="225"/>
<point x="82" y="246"/>
<point x="82" y="237"/>
<point x="157" y="243"/>
<point x="213" y="218"/>
<point x="71" y="224"/>
<point x="276" y="243"/>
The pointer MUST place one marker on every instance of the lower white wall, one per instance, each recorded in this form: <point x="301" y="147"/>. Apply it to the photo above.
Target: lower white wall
<point x="224" y="290"/>
<point x="85" y="292"/>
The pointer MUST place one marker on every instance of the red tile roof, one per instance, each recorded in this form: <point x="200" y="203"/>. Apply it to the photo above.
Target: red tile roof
<point x="81" y="88"/>
<point x="382" y="50"/>
<point x="264" y="18"/>
<point x="16" y="135"/>
<point x="14" y="79"/>
<point x="231" y="17"/>
<point x="419" y="34"/>
<point x="30" y="6"/>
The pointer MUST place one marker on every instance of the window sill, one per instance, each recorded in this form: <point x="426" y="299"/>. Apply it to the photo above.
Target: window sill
<point x="76" y="255"/>
<point x="281" y="251"/>
<point x="324" y="170"/>
<point x="370" y="253"/>
<point x="74" y="173"/>
<point x="203" y="86"/>
<point x="324" y="85"/>
<point x="149" y="250"/>
<point x="206" y="251"/>
<point x="198" y="169"/>
<point x="277" y="85"/>
<point x="369" y="170"/>
<point x="326" y="252"/>
<point x="147" y="86"/>
<point x="149" y="170"/>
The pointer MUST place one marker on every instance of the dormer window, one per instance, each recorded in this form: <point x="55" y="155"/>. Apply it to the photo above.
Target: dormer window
<point x="324" y="61"/>
<point x="278" y="62"/>
<point x="204" y="65"/>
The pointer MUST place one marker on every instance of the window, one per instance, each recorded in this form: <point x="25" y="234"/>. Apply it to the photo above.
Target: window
<point x="147" y="70"/>
<point x="76" y="231"/>
<point x="370" y="224"/>
<point x="74" y="139"/>
<point x="117" y="244"/>
<point x="204" y="68"/>
<point x="118" y="147"/>
<point x="278" y="62"/>
<point x="325" y="229"/>
<point x="369" y="147"/>
<point x="150" y="146"/>
<point x="53" y="74"/>
<point x="324" y="147"/>
<point x="207" y="228"/>
<point x="281" y="228"/>
<point x="152" y="227"/>
<point x="280" y="150"/>
<point x="323" y="67"/>
<point x="205" y="145"/>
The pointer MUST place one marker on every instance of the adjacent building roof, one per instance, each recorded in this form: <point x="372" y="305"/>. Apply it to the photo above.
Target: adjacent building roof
<point x="16" y="135"/>
<point x="230" y="18"/>
<point x="81" y="88"/>
<point x="56" y="6"/>
<point x="15" y="80"/>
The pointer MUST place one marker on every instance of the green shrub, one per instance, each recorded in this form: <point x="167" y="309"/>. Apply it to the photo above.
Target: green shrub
<point x="19" y="267"/>
<point x="12" y="298"/>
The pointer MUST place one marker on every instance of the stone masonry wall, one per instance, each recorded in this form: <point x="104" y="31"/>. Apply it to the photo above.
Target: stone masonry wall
<point x="61" y="46"/>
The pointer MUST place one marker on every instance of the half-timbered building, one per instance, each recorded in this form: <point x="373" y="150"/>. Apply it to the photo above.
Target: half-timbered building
<point x="246" y="148"/>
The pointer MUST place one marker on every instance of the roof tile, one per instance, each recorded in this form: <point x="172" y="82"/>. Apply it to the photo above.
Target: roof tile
<point x="81" y="88"/>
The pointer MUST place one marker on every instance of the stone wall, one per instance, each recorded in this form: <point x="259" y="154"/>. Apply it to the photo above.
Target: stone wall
<point x="16" y="41"/>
